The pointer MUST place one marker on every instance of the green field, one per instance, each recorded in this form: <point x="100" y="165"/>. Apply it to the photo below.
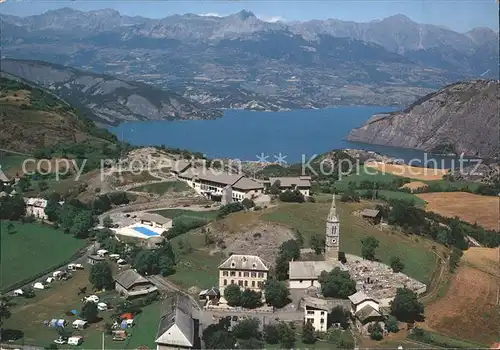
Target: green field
<point x="365" y="175"/>
<point x="444" y="341"/>
<point x="197" y="268"/>
<point x="32" y="248"/>
<point x="398" y="195"/>
<point x="161" y="188"/>
<point x="174" y="213"/>
<point x="11" y="160"/>
<point x="309" y="218"/>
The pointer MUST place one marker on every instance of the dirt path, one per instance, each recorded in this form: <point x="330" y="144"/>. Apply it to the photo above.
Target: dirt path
<point x="436" y="283"/>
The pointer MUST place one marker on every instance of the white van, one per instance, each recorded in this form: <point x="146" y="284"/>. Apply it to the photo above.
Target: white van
<point x="77" y="340"/>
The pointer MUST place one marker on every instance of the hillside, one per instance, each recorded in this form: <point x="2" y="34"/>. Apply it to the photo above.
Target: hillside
<point x="32" y="119"/>
<point x="106" y="99"/>
<point x="461" y="117"/>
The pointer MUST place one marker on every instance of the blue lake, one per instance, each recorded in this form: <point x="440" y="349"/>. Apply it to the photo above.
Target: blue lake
<point x="246" y="135"/>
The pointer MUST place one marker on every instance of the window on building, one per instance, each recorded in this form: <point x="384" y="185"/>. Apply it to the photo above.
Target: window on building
<point x="309" y="312"/>
<point x="232" y="281"/>
<point x="224" y="273"/>
<point x="240" y="283"/>
<point x="253" y="283"/>
<point x="254" y="274"/>
<point x="233" y="273"/>
<point x="322" y="321"/>
<point x="246" y="283"/>
<point x="239" y="273"/>
<point x="225" y="282"/>
<point x="261" y="274"/>
<point x="259" y="284"/>
<point x="322" y="313"/>
<point x="245" y="274"/>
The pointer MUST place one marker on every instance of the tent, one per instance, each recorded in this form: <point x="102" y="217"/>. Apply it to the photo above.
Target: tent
<point x="123" y="325"/>
<point x="102" y="306"/>
<point x="57" y="323"/>
<point x="127" y="316"/>
<point x="18" y="292"/>
<point x="38" y="285"/>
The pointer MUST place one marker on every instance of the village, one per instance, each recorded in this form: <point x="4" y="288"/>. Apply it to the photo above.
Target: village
<point x="322" y="289"/>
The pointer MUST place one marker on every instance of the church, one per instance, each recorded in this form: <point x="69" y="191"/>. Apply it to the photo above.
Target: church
<point x="305" y="274"/>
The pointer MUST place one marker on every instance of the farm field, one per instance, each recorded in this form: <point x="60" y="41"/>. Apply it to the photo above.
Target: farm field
<point x="62" y="297"/>
<point x="468" y="309"/>
<point x="412" y="172"/>
<point x="161" y="188"/>
<point x="467" y="206"/>
<point x="47" y="247"/>
<point x="309" y="218"/>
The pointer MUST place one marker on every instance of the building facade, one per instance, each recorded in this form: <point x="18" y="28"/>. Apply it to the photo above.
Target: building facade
<point x="129" y="283"/>
<point x="215" y="184"/>
<point x="246" y="271"/>
<point x="317" y="311"/>
<point x="364" y="308"/>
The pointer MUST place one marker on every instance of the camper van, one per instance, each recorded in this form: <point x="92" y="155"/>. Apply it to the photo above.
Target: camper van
<point x="76" y="340"/>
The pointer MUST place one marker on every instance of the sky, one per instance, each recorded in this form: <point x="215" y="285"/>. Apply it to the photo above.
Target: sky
<point x="459" y="15"/>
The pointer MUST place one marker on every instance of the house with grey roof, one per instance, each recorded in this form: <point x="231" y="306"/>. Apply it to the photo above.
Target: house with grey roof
<point x="3" y="178"/>
<point x="300" y="183"/>
<point x="246" y="271"/>
<point x="305" y="274"/>
<point x="318" y="310"/>
<point x="130" y="283"/>
<point x="214" y="184"/>
<point x="364" y="308"/>
<point x="155" y="220"/>
<point x="177" y="328"/>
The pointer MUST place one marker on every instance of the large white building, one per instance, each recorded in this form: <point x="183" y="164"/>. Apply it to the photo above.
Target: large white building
<point x="246" y="271"/>
<point x="214" y="184"/>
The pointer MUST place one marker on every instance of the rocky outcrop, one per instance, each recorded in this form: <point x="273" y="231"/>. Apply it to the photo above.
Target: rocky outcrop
<point x="460" y="118"/>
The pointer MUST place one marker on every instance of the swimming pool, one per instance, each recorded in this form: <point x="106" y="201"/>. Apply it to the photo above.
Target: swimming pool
<point x="145" y="231"/>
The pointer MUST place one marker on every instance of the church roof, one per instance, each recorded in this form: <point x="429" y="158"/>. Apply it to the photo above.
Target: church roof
<point x="303" y="270"/>
<point x="332" y="216"/>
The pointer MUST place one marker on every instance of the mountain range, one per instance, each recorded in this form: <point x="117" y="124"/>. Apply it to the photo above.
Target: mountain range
<point x="240" y="61"/>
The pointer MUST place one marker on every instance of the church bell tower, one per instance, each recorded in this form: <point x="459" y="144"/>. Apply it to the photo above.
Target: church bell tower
<point x="332" y="239"/>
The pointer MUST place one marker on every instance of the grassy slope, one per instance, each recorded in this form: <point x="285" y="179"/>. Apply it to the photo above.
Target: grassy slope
<point x="33" y="248"/>
<point x="309" y="219"/>
<point x="174" y="213"/>
<point x="162" y="187"/>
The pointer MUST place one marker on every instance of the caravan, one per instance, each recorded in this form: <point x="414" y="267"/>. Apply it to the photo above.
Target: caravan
<point x="76" y="340"/>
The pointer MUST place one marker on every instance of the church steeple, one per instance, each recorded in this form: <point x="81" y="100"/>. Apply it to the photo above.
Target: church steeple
<point x="332" y="239"/>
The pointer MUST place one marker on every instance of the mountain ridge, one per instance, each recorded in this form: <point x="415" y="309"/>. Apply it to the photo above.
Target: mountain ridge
<point x="106" y="99"/>
<point x="459" y="118"/>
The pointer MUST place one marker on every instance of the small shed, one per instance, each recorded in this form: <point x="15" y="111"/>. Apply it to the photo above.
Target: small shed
<point x="79" y="324"/>
<point x="209" y="294"/>
<point x="372" y="215"/>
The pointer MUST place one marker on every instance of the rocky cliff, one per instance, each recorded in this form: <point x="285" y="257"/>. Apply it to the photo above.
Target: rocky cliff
<point x="462" y="117"/>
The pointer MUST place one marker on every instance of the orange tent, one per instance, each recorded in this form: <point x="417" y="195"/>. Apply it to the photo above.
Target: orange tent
<point x="127" y="316"/>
